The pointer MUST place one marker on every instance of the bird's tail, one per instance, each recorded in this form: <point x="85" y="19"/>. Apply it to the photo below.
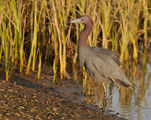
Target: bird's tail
<point x="126" y="84"/>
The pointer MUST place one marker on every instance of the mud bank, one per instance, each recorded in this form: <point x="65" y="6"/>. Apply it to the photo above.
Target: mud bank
<point x="27" y="98"/>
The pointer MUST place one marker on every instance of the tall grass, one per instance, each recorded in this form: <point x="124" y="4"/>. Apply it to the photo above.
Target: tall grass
<point x="36" y="31"/>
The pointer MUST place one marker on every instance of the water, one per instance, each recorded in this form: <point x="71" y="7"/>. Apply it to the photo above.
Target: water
<point x="134" y="104"/>
<point x="139" y="107"/>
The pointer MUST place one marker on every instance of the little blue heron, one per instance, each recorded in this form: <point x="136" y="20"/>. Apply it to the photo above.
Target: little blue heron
<point x="102" y="65"/>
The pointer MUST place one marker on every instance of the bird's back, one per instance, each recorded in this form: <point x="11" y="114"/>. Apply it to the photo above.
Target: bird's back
<point x="102" y="65"/>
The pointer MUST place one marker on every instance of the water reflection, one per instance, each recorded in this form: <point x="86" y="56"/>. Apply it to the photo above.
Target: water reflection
<point x="136" y="104"/>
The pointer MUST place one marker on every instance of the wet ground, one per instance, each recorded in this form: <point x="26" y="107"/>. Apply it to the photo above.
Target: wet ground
<point x="27" y="98"/>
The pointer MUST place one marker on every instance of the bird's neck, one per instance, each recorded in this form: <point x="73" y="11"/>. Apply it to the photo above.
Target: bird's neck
<point x="84" y="35"/>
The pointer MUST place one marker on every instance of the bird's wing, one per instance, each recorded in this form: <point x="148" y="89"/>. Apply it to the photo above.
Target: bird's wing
<point x="112" y="54"/>
<point x="107" y="67"/>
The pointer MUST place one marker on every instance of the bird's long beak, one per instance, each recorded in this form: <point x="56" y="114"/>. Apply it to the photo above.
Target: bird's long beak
<point x="76" y="21"/>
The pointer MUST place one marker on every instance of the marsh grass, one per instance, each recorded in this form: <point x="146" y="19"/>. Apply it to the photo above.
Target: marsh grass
<point x="34" y="32"/>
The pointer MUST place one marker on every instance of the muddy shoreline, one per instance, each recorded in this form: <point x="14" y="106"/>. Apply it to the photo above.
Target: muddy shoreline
<point x="27" y="98"/>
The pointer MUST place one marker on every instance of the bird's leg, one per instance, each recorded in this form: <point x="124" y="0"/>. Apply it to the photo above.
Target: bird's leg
<point x="105" y="93"/>
<point x="105" y="98"/>
<point x="118" y="87"/>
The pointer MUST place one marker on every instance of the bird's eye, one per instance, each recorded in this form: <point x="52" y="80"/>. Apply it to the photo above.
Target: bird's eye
<point x="82" y="19"/>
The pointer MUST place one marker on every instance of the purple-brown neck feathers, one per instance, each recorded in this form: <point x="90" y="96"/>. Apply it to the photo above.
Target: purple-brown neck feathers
<point x="85" y="33"/>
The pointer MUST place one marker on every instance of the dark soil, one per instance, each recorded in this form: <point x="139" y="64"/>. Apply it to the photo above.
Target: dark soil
<point x="27" y="98"/>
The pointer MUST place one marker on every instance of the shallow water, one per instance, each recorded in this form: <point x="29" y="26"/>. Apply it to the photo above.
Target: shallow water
<point x="139" y="107"/>
<point x="133" y="104"/>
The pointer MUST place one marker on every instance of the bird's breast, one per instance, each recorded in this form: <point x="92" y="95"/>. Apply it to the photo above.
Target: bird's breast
<point x="84" y="55"/>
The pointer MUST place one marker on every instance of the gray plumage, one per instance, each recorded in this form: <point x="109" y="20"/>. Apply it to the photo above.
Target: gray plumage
<point x="102" y="65"/>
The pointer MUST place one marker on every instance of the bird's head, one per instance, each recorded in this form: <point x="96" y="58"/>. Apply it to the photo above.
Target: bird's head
<point x="84" y="19"/>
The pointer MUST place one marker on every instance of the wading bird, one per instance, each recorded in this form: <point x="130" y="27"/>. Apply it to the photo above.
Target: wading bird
<point x="102" y="65"/>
